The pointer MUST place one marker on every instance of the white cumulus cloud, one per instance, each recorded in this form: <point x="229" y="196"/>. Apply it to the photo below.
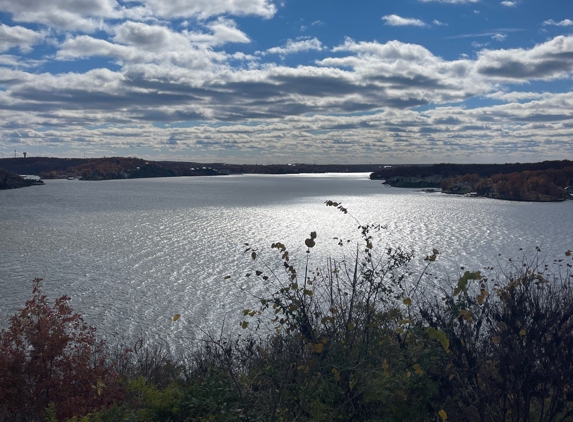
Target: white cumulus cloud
<point x="91" y="15"/>
<point x="292" y="47"/>
<point x="564" y="22"/>
<point x="395" y="20"/>
<point x="18" y="37"/>
<point x="208" y="8"/>
<point x="84" y="15"/>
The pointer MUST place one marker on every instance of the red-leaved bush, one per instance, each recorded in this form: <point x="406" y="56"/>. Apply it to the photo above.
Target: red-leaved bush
<point x="49" y="357"/>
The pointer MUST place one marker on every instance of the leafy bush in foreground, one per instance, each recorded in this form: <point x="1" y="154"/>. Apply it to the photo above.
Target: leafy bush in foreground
<point x="51" y="364"/>
<point x="510" y="346"/>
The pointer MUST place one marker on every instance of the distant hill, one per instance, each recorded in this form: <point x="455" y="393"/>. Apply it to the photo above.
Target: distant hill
<point x="128" y="167"/>
<point x="453" y="170"/>
<point x="102" y="168"/>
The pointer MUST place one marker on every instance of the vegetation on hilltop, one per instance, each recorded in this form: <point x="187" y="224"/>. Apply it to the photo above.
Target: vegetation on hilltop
<point x="453" y="170"/>
<point x="544" y="181"/>
<point x="301" y="168"/>
<point x="103" y="168"/>
<point x="541" y="185"/>
<point x="129" y="167"/>
<point x="356" y="339"/>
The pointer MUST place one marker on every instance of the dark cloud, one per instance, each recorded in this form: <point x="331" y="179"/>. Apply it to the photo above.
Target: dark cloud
<point x="416" y="81"/>
<point x="430" y="130"/>
<point x="319" y="86"/>
<point x="450" y="120"/>
<point x="549" y="60"/>
<point x="523" y="70"/>
<point x="537" y="117"/>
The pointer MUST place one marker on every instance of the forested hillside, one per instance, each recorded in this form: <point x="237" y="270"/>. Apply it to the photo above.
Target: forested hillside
<point x="546" y="181"/>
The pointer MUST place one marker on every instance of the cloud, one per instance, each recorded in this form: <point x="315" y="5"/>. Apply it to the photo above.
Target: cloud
<point x="564" y="22"/>
<point x="438" y="23"/>
<point x="196" y="84"/>
<point x="85" y="15"/>
<point x="508" y="132"/>
<point x="207" y="8"/>
<point x="139" y="43"/>
<point x="19" y="62"/>
<point x="165" y="76"/>
<point x="91" y="15"/>
<point x="293" y="47"/>
<point x="407" y="73"/>
<point x="516" y="96"/>
<point x="550" y="60"/>
<point x="149" y="37"/>
<point x="395" y="20"/>
<point x="226" y="31"/>
<point x="392" y="50"/>
<point x="485" y="34"/>
<point x="180" y="53"/>
<point x="507" y="3"/>
<point x="360" y="99"/>
<point x="18" y="37"/>
<point x="499" y="37"/>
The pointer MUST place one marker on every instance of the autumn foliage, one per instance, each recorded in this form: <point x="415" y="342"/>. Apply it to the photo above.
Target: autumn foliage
<point x="541" y="185"/>
<point x="51" y="361"/>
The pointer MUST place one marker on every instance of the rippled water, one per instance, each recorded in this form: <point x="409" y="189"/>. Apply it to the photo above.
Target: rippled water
<point x="133" y="253"/>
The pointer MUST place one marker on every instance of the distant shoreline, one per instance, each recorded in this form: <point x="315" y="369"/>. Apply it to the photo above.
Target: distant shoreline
<point x="548" y="181"/>
<point x="132" y="168"/>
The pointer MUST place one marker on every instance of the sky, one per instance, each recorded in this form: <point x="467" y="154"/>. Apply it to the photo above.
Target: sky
<point x="288" y="81"/>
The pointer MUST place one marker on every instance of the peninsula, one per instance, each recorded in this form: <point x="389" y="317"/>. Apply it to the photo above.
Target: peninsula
<point x="9" y="180"/>
<point x="541" y="182"/>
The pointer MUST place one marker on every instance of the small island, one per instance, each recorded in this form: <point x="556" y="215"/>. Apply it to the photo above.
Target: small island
<point x="548" y="181"/>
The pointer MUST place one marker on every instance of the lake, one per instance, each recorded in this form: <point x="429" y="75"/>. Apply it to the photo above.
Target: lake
<point x="133" y="253"/>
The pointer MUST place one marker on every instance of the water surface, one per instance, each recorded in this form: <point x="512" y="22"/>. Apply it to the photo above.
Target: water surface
<point x="132" y="253"/>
